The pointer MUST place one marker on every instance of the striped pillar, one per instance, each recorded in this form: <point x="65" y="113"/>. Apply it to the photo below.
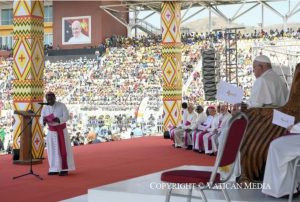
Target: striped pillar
<point x="171" y="66"/>
<point x="28" y="67"/>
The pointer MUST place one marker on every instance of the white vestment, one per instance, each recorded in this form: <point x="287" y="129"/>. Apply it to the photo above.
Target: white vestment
<point x="184" y="113"/>
<point x="80" y="39"/>
<point x="279" y="167"/>
<point x="214" y="126"/>
<point x="219" y="138"/>
<point x="200" y="128"/>
<point x="179" y="126"/>
<point x="60" y="111"/>
<point x="190" y="120"/>
<point x="201" y="118"/>
<point x="268" y="89"/>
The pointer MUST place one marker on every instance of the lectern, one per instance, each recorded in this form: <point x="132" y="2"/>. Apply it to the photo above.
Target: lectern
<point x="25" y="156"/>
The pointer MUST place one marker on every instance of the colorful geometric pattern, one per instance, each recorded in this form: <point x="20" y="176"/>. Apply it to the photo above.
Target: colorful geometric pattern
<point x="28" y="68"/>
<point x="171" y="67"/>
<point x="171" y="17"/>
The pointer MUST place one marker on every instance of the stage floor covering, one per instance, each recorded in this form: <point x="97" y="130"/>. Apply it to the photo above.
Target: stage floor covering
<point x="148" y="188"/>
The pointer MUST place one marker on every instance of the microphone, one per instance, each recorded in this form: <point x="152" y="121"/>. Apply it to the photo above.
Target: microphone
<point x="43" y="103"/>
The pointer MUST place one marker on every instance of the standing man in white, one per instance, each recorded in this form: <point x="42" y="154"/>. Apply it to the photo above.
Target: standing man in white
<point x="60" y="155"/>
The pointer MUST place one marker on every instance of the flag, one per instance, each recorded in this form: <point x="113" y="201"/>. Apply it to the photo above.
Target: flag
<point x="85" y="26"/>
<point x="2" y="134"/>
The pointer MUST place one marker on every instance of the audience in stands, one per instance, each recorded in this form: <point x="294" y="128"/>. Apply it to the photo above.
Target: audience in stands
<point x="130" y="71"/>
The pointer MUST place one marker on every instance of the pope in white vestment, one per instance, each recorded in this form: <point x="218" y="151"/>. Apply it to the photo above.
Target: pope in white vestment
<point x="78" y="37"/>
<point x="268" y="88"/>
<point x="81" y="38"/>
<point x="60" y="155"/>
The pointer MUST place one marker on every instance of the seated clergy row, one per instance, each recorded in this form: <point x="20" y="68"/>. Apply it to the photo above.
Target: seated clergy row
<point x="201" y="131"/>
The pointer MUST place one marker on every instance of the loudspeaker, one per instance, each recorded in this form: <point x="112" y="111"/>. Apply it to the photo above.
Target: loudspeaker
<point x="16" y="154"/>
<point x="166" y="135"/>
<point x="209" y="74"/>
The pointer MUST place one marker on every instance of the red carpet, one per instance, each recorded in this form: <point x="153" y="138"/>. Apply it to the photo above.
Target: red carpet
<point x="96" y="165"/>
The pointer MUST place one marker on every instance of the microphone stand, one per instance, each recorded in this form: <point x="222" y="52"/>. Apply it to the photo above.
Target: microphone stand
<point x="30" y="148"/>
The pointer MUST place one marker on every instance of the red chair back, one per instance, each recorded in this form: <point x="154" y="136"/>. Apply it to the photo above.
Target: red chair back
<point x="236" y="129"/>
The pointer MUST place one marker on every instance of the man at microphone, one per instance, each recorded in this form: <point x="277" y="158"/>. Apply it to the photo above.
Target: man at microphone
<point x="60" y="155"/>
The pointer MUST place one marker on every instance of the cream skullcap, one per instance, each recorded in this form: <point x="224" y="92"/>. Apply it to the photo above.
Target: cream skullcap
<point x="262" y="58"/>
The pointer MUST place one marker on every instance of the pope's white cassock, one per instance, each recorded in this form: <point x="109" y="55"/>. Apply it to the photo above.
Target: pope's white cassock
<point x="60" y="155"/>
<point x="268" y="89"/>
<point x="279" y="167"/>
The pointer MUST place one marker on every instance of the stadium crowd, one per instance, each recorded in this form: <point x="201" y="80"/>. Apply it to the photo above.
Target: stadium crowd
<point x="130" y="71"/>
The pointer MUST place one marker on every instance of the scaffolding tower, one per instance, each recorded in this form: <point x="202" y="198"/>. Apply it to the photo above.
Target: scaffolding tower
<point x="231" y="54"/>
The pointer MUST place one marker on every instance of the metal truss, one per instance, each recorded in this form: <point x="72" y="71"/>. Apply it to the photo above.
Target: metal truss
<point x="245" y="6"/>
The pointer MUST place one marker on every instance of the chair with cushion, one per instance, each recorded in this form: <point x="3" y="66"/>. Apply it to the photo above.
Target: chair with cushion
<point x="201" y="180"/>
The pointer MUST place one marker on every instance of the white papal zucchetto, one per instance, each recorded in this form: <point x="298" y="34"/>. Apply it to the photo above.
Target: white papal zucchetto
<point x="262" y="58"/>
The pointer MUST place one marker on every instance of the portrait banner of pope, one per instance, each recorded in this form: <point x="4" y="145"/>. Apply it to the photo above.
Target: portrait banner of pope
<point x="76" y="30"/>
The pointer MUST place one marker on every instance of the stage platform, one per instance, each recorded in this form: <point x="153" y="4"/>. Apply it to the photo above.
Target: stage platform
<point x="148" y="188"/>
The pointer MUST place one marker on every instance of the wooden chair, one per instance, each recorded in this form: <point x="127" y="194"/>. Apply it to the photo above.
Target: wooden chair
<point x="261" y="132"/>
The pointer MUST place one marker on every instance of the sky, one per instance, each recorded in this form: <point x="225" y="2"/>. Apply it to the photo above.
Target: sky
<point x="252" y="18"/>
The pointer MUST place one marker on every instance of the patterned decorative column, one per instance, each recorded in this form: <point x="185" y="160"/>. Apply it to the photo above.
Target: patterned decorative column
<point x="171" y="67"/>
<point x="28" y="67"/>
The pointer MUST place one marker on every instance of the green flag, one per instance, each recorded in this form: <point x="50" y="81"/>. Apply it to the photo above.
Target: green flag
<point x="2" y="134"/>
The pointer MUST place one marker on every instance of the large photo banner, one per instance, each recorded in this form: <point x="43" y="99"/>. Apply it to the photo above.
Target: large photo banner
<point x="76" y="30"/>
